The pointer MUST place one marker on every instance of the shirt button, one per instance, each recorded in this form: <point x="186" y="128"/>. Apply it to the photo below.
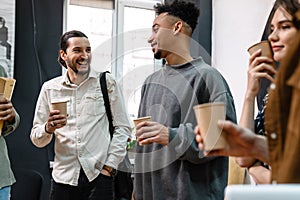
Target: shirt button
<point x="273" y="136"/>
<point x="272" y="86"/>
<point x="79" y="140"/>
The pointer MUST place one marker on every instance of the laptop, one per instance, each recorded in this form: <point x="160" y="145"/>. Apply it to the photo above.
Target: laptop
<point x="263" y="192"/>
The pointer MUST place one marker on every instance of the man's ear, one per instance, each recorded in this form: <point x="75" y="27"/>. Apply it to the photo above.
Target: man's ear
<point x="177" y="27"/>
<point x="62" y="54"/>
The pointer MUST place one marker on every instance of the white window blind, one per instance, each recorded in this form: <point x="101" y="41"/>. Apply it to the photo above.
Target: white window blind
<point x="104" y="4"/>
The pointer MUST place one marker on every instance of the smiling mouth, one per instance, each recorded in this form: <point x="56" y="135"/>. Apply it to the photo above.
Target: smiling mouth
<point x="153" y="45"/>
<point x="277" y="48"/>
<point x="82" y="63"/>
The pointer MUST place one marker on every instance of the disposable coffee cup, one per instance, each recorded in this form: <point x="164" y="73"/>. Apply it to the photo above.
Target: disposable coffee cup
<point x="266" y="50"/>
<point x="61" y="106"/>
<point x="1" y="96"/>
<point x="141" y="119"/>
<point x="207" y="116"/>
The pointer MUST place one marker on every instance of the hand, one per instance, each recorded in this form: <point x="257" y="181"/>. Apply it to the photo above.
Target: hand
<point x="240" y="142"/>
<point x="7" y="112"/>
<point x="259" y="67"/>
<point x="199" y="138"/>
<point x="148" y="132"/>
<point x="55" y="120"/>
<point x="105" y="172"/>
<point x="260" y="174"/>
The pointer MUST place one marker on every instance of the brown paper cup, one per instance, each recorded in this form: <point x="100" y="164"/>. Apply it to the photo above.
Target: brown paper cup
<point x="266" y="50"/>
<point x="61" y="106"/>
<point x="138" y="120"/>
<point x="207" y="116"/>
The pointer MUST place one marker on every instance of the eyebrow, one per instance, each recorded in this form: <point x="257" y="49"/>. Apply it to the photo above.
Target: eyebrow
<point x="78" y="47"/>
<point x="282" y="22"/>
<point x="285" y="21"/>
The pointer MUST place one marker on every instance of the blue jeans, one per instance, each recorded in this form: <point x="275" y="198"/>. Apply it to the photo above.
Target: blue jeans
<point x="5" y="193"/>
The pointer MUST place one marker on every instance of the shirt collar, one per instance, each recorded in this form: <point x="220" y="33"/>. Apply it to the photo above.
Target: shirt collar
<point x="65" y="79"/>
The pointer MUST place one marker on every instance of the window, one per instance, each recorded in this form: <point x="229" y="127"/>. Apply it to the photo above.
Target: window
<point x="135" y="54"/>
<point x="96" y="23"/>
<point x="119" y="41"/>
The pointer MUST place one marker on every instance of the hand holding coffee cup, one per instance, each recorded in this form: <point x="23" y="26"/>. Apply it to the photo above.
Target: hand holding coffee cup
<point x="58" y="116"/>
<point x="139" y="120"/>
<point x="266" y="50"/>
<point x="207" y="116"/>
<point x="147" y="133"/>
<point x="261" y="65"/>
<point x="7" y="110"/>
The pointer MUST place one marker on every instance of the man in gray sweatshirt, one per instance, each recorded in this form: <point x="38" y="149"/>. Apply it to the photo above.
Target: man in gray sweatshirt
<point x="168" y="163"/>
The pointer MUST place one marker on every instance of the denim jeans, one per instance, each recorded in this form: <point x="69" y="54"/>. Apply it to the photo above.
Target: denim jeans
<point x="5" y="193"/>
<point x="100" y="188"/>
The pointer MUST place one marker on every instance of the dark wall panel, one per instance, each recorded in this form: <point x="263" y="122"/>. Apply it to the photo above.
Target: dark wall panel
<point x="38" y="28"/>
<point x="202" y="33"/>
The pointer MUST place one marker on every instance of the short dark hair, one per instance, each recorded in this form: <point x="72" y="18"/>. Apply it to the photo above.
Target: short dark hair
<point x="63" y="44"/>
<point x="186" y="11"/>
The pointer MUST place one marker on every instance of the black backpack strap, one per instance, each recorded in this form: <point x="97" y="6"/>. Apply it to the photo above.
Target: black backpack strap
<point x="106" y="102"/>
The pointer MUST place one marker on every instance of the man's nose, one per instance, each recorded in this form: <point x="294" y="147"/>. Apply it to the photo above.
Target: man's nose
<point x="150" y="39"/>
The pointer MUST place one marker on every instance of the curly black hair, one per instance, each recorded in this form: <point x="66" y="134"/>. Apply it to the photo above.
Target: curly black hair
<point x="186" y="11"/>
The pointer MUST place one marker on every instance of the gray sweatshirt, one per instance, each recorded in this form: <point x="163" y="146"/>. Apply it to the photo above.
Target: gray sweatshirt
<point x="179" y="170"/>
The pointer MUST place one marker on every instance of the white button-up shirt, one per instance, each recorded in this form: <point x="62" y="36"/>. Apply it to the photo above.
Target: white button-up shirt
<point x="84" y="142"/>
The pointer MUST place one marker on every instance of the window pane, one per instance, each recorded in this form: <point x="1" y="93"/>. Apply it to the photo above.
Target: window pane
<point x="138" y="60"/>
<point x="96" y="23"/>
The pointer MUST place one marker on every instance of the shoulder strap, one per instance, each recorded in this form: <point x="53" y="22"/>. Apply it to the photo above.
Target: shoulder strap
<point x="106" y="101"/>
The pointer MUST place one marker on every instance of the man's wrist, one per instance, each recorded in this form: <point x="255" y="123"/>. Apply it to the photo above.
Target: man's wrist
<point x="261" y="151"/>
<point x="112" y="171"/>
<point x="47" y="131"/>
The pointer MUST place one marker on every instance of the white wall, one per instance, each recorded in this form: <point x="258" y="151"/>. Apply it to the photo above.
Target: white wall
<point x="236" y="25"/>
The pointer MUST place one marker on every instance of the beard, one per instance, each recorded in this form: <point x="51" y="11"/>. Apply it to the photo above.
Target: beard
<point x="83" y="73"/>
<point x="70" y="65"/>
<point x="157" y="55"/>
<point x="75" y="70"/>
<point x="79" y="73"/>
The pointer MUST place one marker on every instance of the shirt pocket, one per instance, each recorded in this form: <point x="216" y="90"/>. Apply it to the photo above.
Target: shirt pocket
<point x="94" y="104"/>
